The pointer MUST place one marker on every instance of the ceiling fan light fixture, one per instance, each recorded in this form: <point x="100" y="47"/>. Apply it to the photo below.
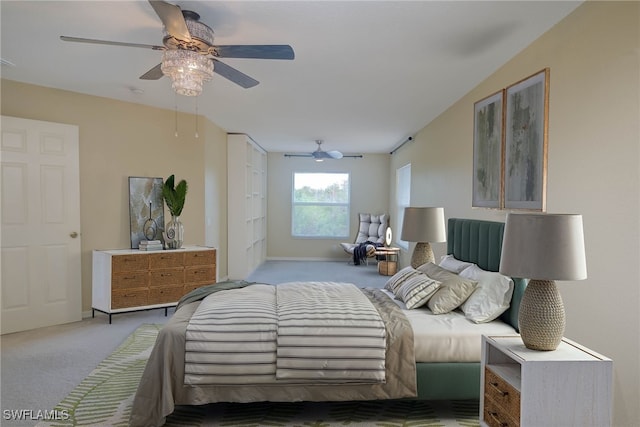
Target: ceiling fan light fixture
<point x="187" y="70"/>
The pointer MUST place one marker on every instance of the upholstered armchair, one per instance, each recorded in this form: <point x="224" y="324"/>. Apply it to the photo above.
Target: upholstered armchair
<point x="371" y="234"/>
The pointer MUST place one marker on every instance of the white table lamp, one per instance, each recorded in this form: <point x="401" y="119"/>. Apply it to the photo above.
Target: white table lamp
<point x="423" y="225"/>
<point x="543" y="248"/>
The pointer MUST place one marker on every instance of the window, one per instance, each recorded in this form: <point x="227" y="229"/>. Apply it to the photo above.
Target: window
<point x="403" y="196"/>
<point x="320" y="205"/>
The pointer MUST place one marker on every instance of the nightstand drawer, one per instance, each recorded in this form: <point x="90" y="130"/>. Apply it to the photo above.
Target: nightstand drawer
<point x="496" y="416"/>
<point x="502" y="393"/>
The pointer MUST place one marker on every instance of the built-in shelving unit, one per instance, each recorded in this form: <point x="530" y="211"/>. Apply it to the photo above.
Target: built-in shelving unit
<point x="247" y="205"/>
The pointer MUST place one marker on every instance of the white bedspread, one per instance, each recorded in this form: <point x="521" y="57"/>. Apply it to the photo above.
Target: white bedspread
<point x="449" y="337"/>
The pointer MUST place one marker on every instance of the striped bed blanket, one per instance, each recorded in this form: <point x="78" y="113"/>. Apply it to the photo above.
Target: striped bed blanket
<point x="299" y="332"/>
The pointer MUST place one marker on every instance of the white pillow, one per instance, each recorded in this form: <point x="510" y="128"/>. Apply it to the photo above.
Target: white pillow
<point x="416" y="291"/>
<point x="397" y="280"/>
<point x="454" y="265"/>
<point x="491" y="298"/>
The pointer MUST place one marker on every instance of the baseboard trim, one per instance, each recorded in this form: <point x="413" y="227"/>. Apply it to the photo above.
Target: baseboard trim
<point x="306" y="259"/>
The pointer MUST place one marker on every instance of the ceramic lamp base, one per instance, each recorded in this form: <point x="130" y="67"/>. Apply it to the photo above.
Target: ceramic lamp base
<point x="422" y="254"/>
<point x="541" y="319"/>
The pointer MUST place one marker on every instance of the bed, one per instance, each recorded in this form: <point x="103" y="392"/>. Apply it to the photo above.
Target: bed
<point x="391" y="362"/>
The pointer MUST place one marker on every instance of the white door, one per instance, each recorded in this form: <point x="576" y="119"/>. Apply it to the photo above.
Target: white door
<point x="40" y="217"/>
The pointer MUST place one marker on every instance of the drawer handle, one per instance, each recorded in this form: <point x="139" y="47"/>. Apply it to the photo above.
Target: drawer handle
<point x="494" y="415"/>
<point x="502" y="393"/>
<point x="166" y="274"/>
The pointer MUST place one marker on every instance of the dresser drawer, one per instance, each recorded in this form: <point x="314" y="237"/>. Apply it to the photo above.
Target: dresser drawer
<point x="167" y="276"/>
<point x="165" y="294"/>
<point x="199" y="275"/>
<point x="204" y="257"/>
<point x="125" y="298"/>
<point x="166" y="259"/>
<point x="130" y="279"/>
<point x="496" y="416"/>
<point x="502" y="393"/>
<point x="121" y="263"/>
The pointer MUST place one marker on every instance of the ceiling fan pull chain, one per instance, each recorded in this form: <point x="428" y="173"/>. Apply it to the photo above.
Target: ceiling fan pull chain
<point x="197" y="117"/>
<point x="176" y="113"/>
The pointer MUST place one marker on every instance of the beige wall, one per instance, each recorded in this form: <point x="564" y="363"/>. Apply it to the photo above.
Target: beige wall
<point x="594" y="162"/>
<point x="118" y="140"/>
<point x="369" y="194"/>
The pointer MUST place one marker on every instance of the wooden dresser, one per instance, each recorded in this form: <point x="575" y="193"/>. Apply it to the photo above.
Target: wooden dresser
<point x="570" y="386"/>
<point x="130" y="280"/>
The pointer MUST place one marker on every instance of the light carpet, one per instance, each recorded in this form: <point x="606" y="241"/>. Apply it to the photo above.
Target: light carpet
<point x="104" y="398"/>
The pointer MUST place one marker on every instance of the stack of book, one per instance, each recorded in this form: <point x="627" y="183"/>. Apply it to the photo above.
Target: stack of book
<point x="150" y="245"/>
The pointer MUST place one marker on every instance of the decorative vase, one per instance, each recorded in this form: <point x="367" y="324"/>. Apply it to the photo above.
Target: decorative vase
<point x="174" y="233"/>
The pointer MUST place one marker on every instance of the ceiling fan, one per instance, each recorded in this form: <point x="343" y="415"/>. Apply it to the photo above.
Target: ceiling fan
<point x="319" y="155"/>
<point x="188" y="40"/>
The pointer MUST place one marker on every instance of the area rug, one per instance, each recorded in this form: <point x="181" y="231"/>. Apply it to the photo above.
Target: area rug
<point x="104" y="398"/>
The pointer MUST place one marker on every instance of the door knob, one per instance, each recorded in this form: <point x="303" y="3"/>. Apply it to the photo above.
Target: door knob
<point x="73" y="234"/>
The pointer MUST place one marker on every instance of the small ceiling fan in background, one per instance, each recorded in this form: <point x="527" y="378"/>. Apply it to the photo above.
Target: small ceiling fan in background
<point x="191" y="41"/>
<point x="319" y="155"/>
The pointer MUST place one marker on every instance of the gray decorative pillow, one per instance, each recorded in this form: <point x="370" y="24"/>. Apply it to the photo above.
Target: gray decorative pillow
<point x="453" y="291"/>
<point x="416" y="291"/>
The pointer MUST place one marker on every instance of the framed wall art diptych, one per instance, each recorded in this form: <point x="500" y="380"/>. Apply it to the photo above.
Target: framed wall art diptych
<point x="146" y="209"/>
<point x="487" y="151"/>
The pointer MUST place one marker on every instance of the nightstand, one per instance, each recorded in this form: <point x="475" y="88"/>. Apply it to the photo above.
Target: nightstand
<point x="570" y="386"/>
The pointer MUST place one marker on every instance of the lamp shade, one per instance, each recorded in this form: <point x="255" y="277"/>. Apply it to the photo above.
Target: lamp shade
<point x="423" y="225"/>
<point x="544" y="246"/>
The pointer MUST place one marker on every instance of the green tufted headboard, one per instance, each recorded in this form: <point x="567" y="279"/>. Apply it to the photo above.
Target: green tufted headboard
<point x="480" y="242"/>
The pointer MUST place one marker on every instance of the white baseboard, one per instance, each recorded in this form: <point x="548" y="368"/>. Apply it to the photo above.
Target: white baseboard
<point x="306" y="259"/>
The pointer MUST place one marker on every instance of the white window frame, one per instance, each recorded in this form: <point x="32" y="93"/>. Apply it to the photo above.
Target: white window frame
<point x="345" y="204"/>
<point x="403" y="200"/>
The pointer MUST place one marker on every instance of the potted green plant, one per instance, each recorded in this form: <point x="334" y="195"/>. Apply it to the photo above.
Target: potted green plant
<point x="174" y="197"/>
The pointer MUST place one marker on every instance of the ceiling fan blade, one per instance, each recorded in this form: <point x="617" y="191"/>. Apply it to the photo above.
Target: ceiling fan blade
<point x="172" y="19"/>
<point x="334" y="154"/>
<point x="153" y="74"/>
<point x="298" y="155"/>
<point x="234" y="75"/>
<point x="267" y="51"/>
<point x="112" y="43"/>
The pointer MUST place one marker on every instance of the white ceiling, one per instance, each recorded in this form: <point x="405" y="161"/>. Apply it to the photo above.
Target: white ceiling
<point x="367" y="74"/>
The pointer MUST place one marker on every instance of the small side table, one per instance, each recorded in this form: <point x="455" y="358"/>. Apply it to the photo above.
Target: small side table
<point x="388" y="266"/>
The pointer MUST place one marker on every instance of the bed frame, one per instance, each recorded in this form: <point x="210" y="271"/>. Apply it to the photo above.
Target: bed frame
<point x="479" y="242"/>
